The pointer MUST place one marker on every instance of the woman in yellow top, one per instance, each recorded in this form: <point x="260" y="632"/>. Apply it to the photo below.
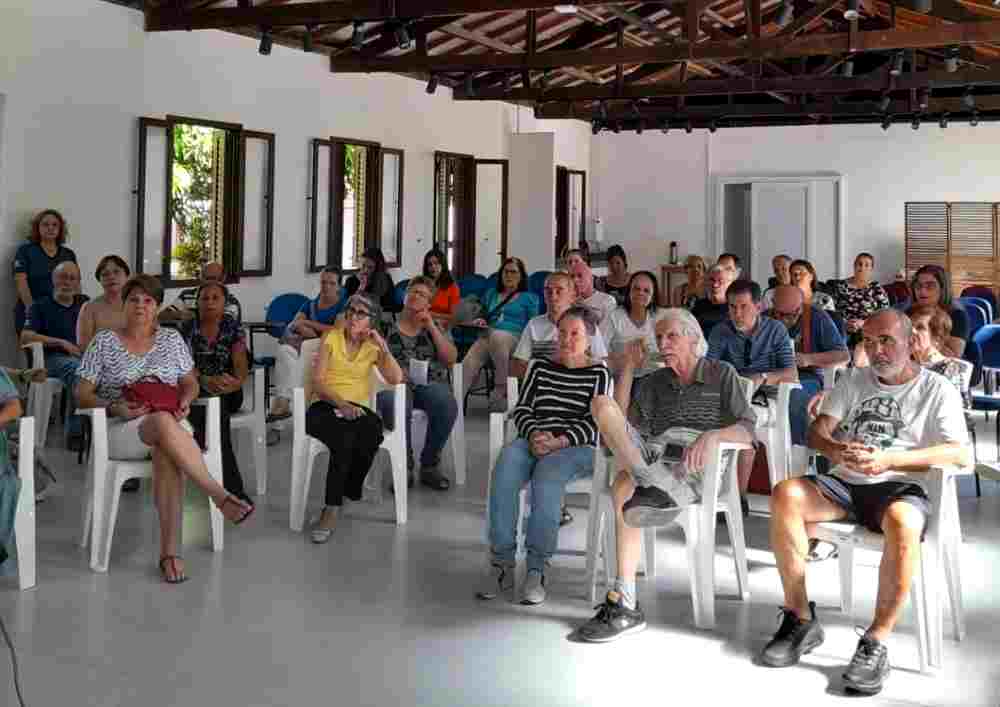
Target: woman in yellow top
<point x="339" y="416"/>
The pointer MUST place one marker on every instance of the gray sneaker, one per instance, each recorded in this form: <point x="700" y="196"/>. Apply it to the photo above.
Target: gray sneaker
<point x="534" y="588"/>
<point x="498" y="579"/>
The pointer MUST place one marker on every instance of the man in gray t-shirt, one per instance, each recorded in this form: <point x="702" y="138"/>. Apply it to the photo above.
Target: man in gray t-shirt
<point x="878" y="423"/>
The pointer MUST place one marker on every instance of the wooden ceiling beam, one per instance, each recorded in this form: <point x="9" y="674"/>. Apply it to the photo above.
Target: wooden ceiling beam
<point x="766" y="48"/>
<point x="168" y="18"/>
<point x="811" y="16"/>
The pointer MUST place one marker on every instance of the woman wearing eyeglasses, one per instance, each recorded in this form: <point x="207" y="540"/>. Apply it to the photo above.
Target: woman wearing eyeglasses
<point x="931" y="288"/>
<point x="339" y="415"/>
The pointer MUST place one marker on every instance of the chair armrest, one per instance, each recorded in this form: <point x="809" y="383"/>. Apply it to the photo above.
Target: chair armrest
<point x="830" y="374"/>
<point x="37" y="353"/>
<point x="733" y="447"/>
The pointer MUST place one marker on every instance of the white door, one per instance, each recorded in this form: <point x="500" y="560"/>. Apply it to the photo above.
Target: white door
<point x="779" y="224"/>
<point x="489" y="216"/>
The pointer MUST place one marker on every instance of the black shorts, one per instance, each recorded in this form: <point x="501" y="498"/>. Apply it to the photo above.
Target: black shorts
<point x="866" y="503"/>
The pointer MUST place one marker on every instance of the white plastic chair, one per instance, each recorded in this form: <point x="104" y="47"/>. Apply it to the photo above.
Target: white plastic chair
<point x="107" y="475"/>
<point x="939" y="553"/>
<point x="24" y="519"/>
<point x="40" y="397"/>
<point x="306" y="449"/>
<point x="774" y="430"/>
<point x="456" y="440"/>
<point x="698" y="522"/>
<point x="254" y="421"/>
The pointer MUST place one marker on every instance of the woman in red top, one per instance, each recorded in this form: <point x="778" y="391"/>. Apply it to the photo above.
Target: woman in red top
<point x="447" y="296"/>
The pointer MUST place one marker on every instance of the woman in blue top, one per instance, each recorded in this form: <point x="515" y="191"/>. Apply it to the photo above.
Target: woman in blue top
<point x="35" y="261"/>
<point x="507" y="310"/>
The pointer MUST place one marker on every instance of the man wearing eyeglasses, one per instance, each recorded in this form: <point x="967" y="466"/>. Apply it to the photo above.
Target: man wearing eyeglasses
<point x="758" y="347"/>
<point x="713" y="307"/>
<point x="818" y="344"/>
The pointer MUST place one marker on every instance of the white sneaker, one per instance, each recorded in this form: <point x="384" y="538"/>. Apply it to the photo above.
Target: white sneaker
<point x="534" y="588"/>
<point x="498" y="579"/>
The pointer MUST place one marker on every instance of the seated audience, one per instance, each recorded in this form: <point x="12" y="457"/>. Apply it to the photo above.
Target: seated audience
<point x="732" y="264"/>
<point x="931" y="329"/>
<point x="52" y="321"/>
<point x="417" y="336"/>
<point x="803" y="276"/>
<point x="118" y="358"/>
<point x="219" y="349"/>
<point x="758" y="347"/>
<point x="540" y="339"/>
<point x="555" y="442"/>
<point x="339" y="415"/>
<point x="817" y="344"/>
<point x="185" y="306"/>
<point x="877" y="422"/>
<point x="780" y="265"/>
<point x="314" y="318"/>
<point x="932" y="288"/>
<point x="636" y="321"/>
<point x="601" y="303"/>
<point x="690" y="392"/>
<point x="446" y="296"/>
<point x="858" y="296"/>
<point x="35" y="261"/>
<point x="374" y="280"/>
<point x="713" y="307"/>
<point x="508" y="309"/>
<point x="687" y="293"/>
<point x="615" y="283"/>
<point x="105" y="312"/>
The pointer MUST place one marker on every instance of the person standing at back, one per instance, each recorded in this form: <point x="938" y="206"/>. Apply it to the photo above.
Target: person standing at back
<point x="35" y="261"/>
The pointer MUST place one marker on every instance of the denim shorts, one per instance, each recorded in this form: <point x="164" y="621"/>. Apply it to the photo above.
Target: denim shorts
<point x="866" y="503"/>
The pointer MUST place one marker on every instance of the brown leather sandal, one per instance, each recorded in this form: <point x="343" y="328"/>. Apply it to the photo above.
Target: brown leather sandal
<point x="178" y="576"/>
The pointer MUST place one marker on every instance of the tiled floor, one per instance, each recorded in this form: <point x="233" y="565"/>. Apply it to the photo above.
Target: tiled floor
<point x="385" y="615"/>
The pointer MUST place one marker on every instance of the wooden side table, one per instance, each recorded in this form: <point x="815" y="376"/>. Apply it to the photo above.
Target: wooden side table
<point x="667" y="273"/>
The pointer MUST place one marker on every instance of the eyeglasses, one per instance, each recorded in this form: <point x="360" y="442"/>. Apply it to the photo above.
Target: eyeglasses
<point x="787" y="315"/>
<point x="356" y="313"/>
<point x="419" y="292"/>
<point x="511" y="271"/>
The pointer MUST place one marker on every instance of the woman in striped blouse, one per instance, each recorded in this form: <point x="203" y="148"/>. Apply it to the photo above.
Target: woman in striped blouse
<point x="555" y="442"/>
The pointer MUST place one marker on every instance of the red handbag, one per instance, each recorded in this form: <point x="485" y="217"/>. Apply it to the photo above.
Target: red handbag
<point x="154" y="394"/>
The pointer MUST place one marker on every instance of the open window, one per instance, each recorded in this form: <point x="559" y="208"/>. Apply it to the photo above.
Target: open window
<point x="356" y="203"/>
<point x="204" y="193"/>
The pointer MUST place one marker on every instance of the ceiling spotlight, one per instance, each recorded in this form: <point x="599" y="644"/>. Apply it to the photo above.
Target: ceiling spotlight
<point x="968" y="100"/>
<point x="787" y="13"/>
<point x="595" y="127"/>
<point x="916" y="122"/>
<point x="566" y="9"/>
<point x="307" y="39"/>
<point x="951" y="60"/>
<point x="851" y="13"/>
<point x="432" y="84"/>
<point x="884" y="102"/>
<point x="923" y="6"/>
<point x="640" y="126"/>
<point x="886" y="122"/>
<point x="848" y="68"/>
<point x="943" y="122"/>
<point x="923" y="98"/>
<point x="402" y="35"/>
<point x="604" y="110"/>
<point x="358" y="36"/>
<point x="712" y="127"/>
<point x="665" y="126"/>
<point x="470" y="89"/>
<point x="616" y="127"/>
<point x="974" y="120"/>
<point x="688" y="127"/>
<point x="266" y="42"/>
<point x="897" y="64"/>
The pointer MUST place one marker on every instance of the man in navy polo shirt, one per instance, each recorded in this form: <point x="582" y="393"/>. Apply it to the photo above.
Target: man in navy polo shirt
<point x="758" y="347"/>
<point x="52" y="322"/>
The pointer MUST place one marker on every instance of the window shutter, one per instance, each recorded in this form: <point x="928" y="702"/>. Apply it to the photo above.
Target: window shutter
<point x="972" y="252"/>
<point x="151" y="196"/>
<point x="321" y="204"/>
<point x="926" y="235"/>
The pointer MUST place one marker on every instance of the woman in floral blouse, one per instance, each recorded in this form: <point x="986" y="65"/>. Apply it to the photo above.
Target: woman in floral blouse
<point x="219" y="349"/>
<point x="859" y="296"/>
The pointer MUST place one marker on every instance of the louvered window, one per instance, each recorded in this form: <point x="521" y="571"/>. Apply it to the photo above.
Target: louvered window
<point x="455" y="210"/>
<point x="959" y="236"/>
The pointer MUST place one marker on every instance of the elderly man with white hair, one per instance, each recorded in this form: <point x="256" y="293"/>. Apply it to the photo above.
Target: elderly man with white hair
<point x="713" y="307"/>
<point x="663" y="469"/>
<point x="600" y="303"/>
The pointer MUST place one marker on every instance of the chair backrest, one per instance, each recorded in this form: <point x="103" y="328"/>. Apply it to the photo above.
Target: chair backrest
<point x="985" y="293"/>
<point x="282" y="310"/>
<point x="897" y="291"/>
<point x="977" y="316"/>
<point x="471" y="285"/>
<point x="978" y="302"/>
<point x="400" y="292"/>
<point x="988" y="340"/>
<point x="838" y="320"/>
<point x="310" y="348"/>
<point x="973" y="354"/>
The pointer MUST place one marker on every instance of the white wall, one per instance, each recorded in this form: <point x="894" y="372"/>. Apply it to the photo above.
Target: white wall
<point x="531" y="235"/>
<point x="77" y="75"/>
<point x="655" y="185"/>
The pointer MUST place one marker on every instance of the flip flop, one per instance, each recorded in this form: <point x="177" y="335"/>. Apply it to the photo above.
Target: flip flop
<point x="235" y="500"/>
<point x="179" y="577"/>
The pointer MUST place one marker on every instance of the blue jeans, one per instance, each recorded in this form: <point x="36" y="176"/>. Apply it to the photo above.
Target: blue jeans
<point x="548" y="476"/>
<point x="64" y="367"/>
<point x="437" y="401"/>
<point x="798" y="402"/>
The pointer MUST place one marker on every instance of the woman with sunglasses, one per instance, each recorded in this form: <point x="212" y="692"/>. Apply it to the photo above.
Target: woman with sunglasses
<point x="339" y="415"/>
<point x="931" y="288"/>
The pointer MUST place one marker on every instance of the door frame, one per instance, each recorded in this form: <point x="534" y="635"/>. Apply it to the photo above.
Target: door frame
<point x="504" y="199"/>
<point x="717" y="237"/>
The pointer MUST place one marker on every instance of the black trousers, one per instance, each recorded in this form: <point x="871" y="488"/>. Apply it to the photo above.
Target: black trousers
<point x="352" y="443"/>
<point x="230" y="403"/>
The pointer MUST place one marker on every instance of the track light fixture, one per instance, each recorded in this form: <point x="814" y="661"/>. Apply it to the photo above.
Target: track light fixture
<point x="884" y="102"/>
<point x="923" y="6"/>
<point x="635" y="109"/>
<point x="688" y="127"/>
<point x="402" y="35"/>
<point x="968" y="100"/>
<point x="506" y="83"/>
<point x="616" y="127"/>
<point x="787" y="13"/>
<point x="470" y="89"/>
<point x="923" y="98"/>
<point x="358" y="36"/>
<point x="951" y="60"/>
<point x="851" y="13"/>
<point x="943" y="122"/>
<point x="432" y="84"/>
<point x="665" y="126"/>
<point x="974" y="120"/>
<point x="266" y="42"/>
<point x="595" y="127"/>
<point x="886" y="122"/>
<point x="896" y="69"/>
<point x="543" y="81"/>
<point x="712" y="127"/>
<point x="848" y="68"/>
<point x="640" y="126"/>
<point x="307" y="40"/>
<point x="915" y="124"/>
<point x="604" y="110"/>
<point x="525" y="78"/>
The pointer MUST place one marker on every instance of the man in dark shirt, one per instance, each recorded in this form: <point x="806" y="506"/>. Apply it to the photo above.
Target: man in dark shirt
<point x="713" y="309"/>
<point x="183" y="308"/>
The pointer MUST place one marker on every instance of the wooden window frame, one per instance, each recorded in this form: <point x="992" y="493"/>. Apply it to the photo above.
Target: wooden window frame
<point x="397" y="262"/>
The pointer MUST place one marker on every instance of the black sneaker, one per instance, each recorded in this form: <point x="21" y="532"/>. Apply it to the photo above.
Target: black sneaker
<point x="793" y="640"/>
<point x="649" y="507"/>
<point x="869" y="667"/>
<point x="130" y="486"/>
<point x="612" y="621"/>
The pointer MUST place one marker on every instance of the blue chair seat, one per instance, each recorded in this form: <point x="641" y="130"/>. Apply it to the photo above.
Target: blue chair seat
<point x="266" y="361"/>
<point x="985" y="403"/>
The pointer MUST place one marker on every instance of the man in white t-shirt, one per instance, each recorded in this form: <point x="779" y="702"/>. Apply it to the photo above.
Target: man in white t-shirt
<point x="876" y="423"/>
<point x="541" y="337"/>
<point x="600" y="303"/>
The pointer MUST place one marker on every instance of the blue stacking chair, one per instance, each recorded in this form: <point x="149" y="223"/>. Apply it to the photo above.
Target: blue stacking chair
<point x="980" y="302"/>
<point x="985" y="293"/>
<point x="536" y="284"/>
<point x="400" y="292"/>
<point x="987" y="346"/>
<point x="978" y="318"/>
